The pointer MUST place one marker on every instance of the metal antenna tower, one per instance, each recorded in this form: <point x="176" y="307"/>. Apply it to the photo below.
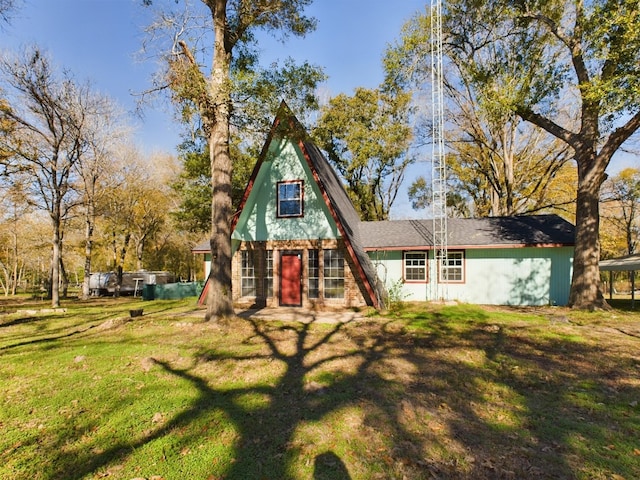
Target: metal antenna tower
<point x="438" y="160"/>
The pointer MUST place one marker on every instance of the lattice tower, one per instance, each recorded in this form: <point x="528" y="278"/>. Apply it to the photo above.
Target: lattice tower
<point x="438" y="159"/>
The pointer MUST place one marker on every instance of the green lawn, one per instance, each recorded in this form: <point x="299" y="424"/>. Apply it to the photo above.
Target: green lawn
<point x="429" y="392"/>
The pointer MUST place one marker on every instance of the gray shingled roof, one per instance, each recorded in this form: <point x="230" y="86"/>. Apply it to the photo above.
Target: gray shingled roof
<point x="470" y="232"/>
<point x="348" y="218"/>
<point x="463" y="232"/>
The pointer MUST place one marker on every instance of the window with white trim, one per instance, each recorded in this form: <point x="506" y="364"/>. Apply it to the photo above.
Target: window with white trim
<point x="452" y="269"/>
<point x="247" y="275"/>
<point x="415" y="266"/>
<point x="333" y="273"/>
<point x="290" y="199"/>
<point x="313" y="274"/>
<point x="268" y="273"/>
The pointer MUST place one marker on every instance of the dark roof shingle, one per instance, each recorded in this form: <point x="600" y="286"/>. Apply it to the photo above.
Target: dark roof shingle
<point x="348" y="218"/>
<point x="529" y="230"/>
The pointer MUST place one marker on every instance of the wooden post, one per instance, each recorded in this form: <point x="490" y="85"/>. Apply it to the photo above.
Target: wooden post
<point x="610" y="284"/>
<point x="633" y="288"/>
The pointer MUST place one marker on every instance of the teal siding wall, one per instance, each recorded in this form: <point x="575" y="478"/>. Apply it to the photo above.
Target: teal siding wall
<point x="501" y="276"/>
<point x="389" y="266"/>
<point x="517" y="276"/>
<point x="259" y="222"/>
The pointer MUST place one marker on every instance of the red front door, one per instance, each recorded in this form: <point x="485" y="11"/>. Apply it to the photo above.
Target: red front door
<point x="290" y="279"/>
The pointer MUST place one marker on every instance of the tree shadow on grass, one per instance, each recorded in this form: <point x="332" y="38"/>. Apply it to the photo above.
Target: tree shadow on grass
<point x="50" y="328"/>
<point x="263" y="442"/>
<point x="329" y="466"/>
<point x="494" y="402"/>
<point x="52" y="336"/>
<point x="522" y="405"/>
<point x="484" y="402"/>
<point x="578" y="398"/>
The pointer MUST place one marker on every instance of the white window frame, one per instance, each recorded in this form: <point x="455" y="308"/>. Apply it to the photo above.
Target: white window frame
<point x="294" y="199"/>
<point x="414" y="261"/>
<point x="313" y="275"/>
<point x="333" y="273"/>
<point x="268" y="273"/>
<point x="455" y="262"/>
<point x="247" y="274"/>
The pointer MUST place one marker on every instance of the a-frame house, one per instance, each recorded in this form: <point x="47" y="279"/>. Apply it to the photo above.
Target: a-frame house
<point x="295" y="238"/>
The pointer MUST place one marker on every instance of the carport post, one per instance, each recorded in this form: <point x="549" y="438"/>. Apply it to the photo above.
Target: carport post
<point x="633" y="288"/>
<point x="610" y="284"/>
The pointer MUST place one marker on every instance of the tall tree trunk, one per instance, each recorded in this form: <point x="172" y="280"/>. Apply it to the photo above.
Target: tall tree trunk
<point x="86" y="290"/>
<point x="586" y="293"/>
<point x="219" y="299"/>
<point x="55" y="264"/>
<point x="120" y="263"/>
<point x="140" y="242"/>
<point x="5" y="280"/>
<point x="88" y="248"/>
<point x="64" y="278"/>
<point x="16" y="262"/>
<point x="509" y="180"/>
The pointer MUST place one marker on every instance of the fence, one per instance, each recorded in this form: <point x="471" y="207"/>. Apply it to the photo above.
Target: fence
<point x="172" y="291"/>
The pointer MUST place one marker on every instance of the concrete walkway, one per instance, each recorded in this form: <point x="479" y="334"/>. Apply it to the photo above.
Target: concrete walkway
<point x="300" y="315"/>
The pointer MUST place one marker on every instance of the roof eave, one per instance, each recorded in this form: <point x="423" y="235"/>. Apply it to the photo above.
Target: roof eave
<point x="471" y="247"/>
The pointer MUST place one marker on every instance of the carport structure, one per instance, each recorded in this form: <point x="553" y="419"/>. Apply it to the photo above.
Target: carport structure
<point x="628" y="263"/>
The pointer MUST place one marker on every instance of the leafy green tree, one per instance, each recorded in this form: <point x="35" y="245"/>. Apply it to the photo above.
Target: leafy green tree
<point x="498" y="163"/>
<point x="569" y="67"/>
<point x="421" y="196"/>
<point x="211" y="96"/>
<point x="193" y="187"/>
<point x="193" y="184"/>
<point x="590" y="52"/>
<point x="367" y="138"/>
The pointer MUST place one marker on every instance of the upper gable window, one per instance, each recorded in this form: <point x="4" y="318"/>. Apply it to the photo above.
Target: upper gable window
<point x="290" y="199"/>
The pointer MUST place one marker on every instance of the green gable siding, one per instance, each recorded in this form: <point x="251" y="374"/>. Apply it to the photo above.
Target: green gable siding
<point x="258" y="220"/>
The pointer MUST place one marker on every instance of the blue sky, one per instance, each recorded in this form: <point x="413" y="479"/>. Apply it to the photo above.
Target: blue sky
<point x="98" y="39"/>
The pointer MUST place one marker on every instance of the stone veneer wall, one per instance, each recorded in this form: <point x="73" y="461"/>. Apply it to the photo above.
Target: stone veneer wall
<point x="352" y="284"/>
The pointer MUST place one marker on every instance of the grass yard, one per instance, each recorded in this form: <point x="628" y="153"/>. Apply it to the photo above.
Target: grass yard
<point x="449" y="392"/>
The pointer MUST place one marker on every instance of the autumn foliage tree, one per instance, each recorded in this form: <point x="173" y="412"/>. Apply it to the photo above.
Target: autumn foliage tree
<point x="50" y="115"/>
<point x="621" y="209"/>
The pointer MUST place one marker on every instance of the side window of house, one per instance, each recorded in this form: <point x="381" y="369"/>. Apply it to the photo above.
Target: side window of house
<point x="314" y="274"/>
<point x="415" y="266"/>
<point x="268" y="273"/>
<point x="453" y="270"/>
<point x="247" y="275"/>
<point x="333" y="274"/>
<point x="290" y="199"/>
